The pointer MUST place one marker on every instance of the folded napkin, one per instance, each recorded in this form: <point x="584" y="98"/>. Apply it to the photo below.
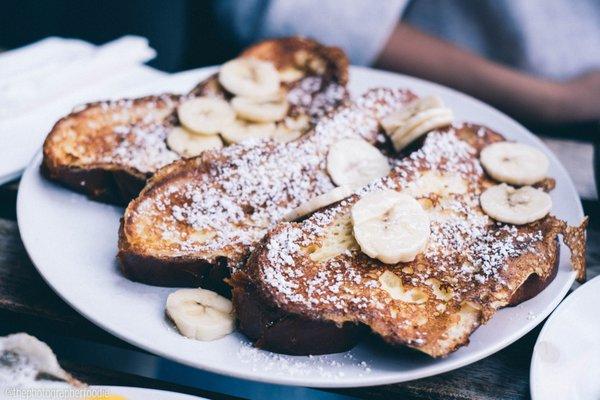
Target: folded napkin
<point x="42" y="82"/>
<point x="39" y="73"/>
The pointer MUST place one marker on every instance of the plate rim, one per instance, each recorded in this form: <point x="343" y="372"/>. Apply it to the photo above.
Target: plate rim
<point x="424" y="372"/>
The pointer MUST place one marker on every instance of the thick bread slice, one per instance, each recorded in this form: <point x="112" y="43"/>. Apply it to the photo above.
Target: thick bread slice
<point x="272" y="328"/>
<point x="107" y="150"/>
<point x="198" y="218"/>
<point x="471" y="267"/>
<point x="330" y="64"/>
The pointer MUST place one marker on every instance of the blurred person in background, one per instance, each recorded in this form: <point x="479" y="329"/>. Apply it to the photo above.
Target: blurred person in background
<point x="538" y="60"/>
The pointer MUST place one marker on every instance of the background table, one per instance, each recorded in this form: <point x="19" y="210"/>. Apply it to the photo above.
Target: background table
<point x="28" y="304"/>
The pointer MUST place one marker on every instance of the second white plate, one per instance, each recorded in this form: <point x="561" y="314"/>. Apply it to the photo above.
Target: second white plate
<point x="73" y="243"/>
<point x="566" y="358"/>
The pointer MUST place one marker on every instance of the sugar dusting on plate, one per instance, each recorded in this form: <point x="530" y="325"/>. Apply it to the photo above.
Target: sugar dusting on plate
<point x="327" y="366"/>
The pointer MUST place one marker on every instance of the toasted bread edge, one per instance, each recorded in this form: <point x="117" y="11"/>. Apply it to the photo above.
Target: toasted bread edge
<point x="273" y="329"/>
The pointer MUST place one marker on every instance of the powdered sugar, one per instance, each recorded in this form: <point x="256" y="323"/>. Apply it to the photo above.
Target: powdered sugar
<point x="466" y="248"/>
<point x="142" y="147"/>
<point x="250" y="187"/>
<point x="326" y="366"/>
<point x="139" y="129"/>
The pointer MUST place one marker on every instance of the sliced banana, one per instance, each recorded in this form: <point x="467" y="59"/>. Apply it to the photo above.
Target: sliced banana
<point x="355" y="163"/>
<point x="205" y="115"/>
<point x="299" y="122"/>
<point x="417" y="118"/>
<point x="397" y="119"/>
<point x="291" y="128"/>
<point x="240" y="130"/>
<point x="520" y="206"/>
<point x="390" y="226"/>
<point x="188" y="144"/>
<point x="420" y="124"/>
<point x="260" y="110"/>
<point x="283" y="134"/>
<point x="290" y="74"/>
<point x="514" y="163"/>
<point x="201" y="314"/>
<point x="250" y="77"/>
<point x="316" y="203"/>
<point x="310" y="61"/>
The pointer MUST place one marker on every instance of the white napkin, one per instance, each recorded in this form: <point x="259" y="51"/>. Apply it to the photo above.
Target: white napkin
<point x="42" y="82"/>
<point x="36" y="74"/>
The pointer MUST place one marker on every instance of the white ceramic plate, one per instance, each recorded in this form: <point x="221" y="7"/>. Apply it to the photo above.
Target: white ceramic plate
<point x="566" y="356"/>
<point x="52" y="391"/>
<point x="73" y="242"/>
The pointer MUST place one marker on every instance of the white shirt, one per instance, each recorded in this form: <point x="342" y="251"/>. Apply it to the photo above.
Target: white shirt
<point x="550" y="38"/>
<point x="360" y="27"/>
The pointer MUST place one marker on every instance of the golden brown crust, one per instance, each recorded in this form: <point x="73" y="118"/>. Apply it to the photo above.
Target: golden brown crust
<point x="256" y="185"/>
<point x="262" y="322"/>
<point x="272" y="329"/>
<point x="535" y="284"/>
<point x="76" y="152"/>
<point x="288" y="52"/>
<point x="180" y="271"/>
<point x="481" y="265"/>
<point x="81" y="151"/>
<point x="284" y="53"/>
<point x="575" y="238"/>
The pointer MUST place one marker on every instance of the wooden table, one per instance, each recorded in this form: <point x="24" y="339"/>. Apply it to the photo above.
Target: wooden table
<point x="28" y="304"/>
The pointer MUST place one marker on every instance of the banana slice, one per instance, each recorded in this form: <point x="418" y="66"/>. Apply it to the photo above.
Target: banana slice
<point x="283" y="134"/>
<point x="250" y="77"/>
<point x="417" y="118"/>
<point x="514" y="163"/>
<point x="299" y="122"/>
<point x="240" y="130"/>
<point x="260" y="110"/>
<point x="437" y="118"/>
<point x="521" y="206"/>
<point x="397" y="119"/>
<point x="309" y="61"/>
<point x="291" y="128"/>
<point x="390" y="226"/>
<point x="205" y="115"/>
<point x="290" y="74"/>
<point x="355" y="162"/>
<point x="333" y="196"/>
<point x="201" y="314"/>
<point x="187" y="144"/>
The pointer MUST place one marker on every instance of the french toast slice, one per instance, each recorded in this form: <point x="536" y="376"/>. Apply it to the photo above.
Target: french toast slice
<point x="199" y="218"/>
<point x="472" y="266"/>
<point x="107" y="150"/>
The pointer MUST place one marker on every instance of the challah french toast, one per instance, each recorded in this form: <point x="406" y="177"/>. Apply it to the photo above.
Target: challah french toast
<point x="315" y="273"/>
<point x="107" y="150"/>
<point x="199" y="218"/>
